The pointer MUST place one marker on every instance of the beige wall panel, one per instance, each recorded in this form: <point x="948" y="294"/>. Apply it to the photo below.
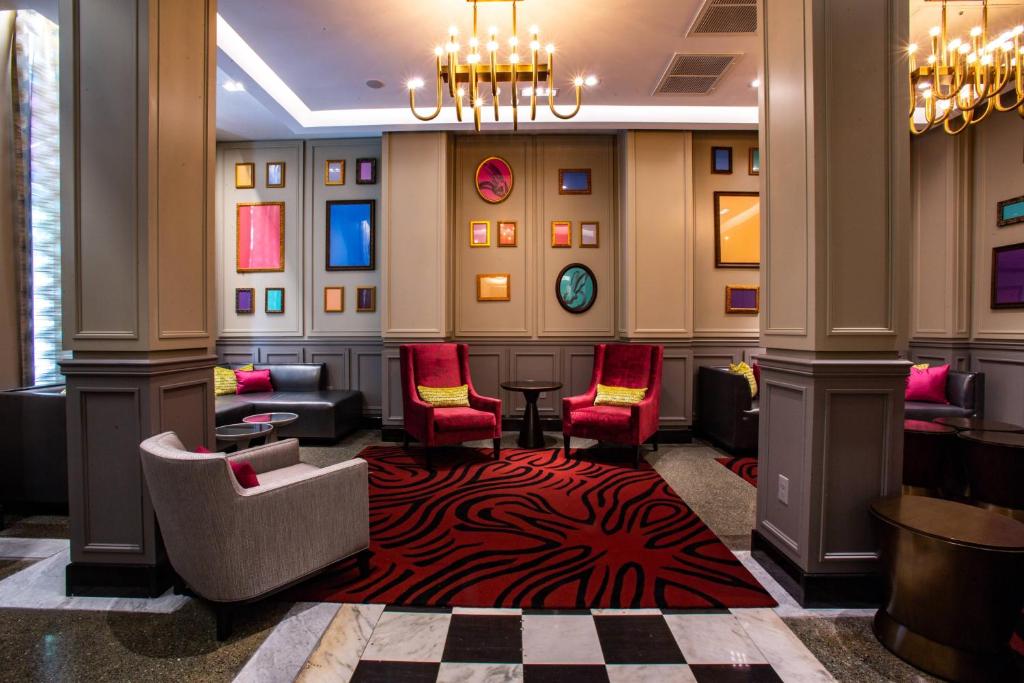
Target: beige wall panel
<point x="998" y="175"/>
<point x="782" y="453"/>
<point x="659" y="241"/>
<point x="102" y="216"/>
<point x="709" y="282"/>
<point x="941" y="235"/>
<point x="859" y="271"/>
<point x="349" y="323"/>
<point x="598" y="154"/>
<point x="182" y="279"/>
<point x="787" y="237"/>
<point x="291" y="279"/>
<point x="512" y="318"/>
<point x="415" y="218"/>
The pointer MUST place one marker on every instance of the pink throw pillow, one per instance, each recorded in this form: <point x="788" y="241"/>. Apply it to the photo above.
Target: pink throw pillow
<point x="252" y="381"/>
<point x="927" y="385"/>
<point x="245" y="473"/>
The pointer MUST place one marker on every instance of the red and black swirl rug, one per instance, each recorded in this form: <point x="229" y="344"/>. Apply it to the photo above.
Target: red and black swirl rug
<point x="744" y="466"/>
<point x="534" y="529"/>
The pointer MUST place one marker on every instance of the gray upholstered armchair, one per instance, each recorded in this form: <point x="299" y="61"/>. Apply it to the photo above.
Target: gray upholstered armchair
<point x="230" y="544"/>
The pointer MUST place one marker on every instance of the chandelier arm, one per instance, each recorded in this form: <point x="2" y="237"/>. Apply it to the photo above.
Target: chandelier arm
<point x="551" y="91"/>
<point x="437" y="109"/>
<point x="989" y="106"/>
<point x="1018" y="84"/>
<point x="453" y="64"/>
<point x="966" y="115"/>
<point x="458" y="107"/>
<point x="494" y="83"/>
<point x="515" y="98"/>
<point x="533" y="84"/>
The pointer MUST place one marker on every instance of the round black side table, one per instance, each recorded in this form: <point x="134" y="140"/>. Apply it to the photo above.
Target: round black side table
<point x="995" y="471"/>
<point x="531" y="435"/>
<point x="928" y="458"/>
<point x="977" y="424"/>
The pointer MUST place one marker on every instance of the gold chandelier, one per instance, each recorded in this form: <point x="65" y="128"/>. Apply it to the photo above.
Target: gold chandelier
<point x="963" y="81"/>
<point x="482" y="67"/>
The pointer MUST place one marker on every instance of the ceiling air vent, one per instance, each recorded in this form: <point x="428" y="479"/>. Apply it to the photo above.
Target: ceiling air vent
<point x="693" y="74"/>
<point x="725" y="16"/>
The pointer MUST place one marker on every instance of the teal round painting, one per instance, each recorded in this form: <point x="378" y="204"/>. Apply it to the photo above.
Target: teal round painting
<point x="576" y="288"/>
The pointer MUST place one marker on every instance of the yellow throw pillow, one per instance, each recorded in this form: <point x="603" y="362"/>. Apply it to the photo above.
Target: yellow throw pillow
<point x="445" y="397"/>
<point x="920" y="366"/>
<point x="748" y="373"/>
<point x="618" y="396"/>
<point x="224" y="382"/>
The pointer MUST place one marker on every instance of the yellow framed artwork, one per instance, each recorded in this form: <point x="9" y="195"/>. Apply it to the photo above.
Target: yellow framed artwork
<point x="493" y="287"/>
<point x="479" y="233"/>
<point x="245" y="175"/>
<point x="334" y="172"/>
<point x="561" y="234"/>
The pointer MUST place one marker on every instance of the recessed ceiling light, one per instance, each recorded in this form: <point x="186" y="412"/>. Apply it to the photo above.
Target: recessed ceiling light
<point x="756" y="83"/>
<point x="542" y="91"/>
<point x="375" y="84"/>
<point x="234" y="86"/>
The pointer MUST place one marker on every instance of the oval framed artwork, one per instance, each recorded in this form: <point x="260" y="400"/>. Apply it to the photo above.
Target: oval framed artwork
<point x="576" y="288"/>
<point x="493" y="180"/>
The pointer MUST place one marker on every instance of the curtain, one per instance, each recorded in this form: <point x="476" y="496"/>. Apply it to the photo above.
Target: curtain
<point x="36" y="119"/>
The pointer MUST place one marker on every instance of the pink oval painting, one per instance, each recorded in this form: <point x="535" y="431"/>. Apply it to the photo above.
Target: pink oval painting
<point x="494" y="180"/>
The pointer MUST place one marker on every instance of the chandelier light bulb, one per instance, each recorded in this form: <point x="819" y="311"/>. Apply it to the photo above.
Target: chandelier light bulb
<point x="964" y="48"/>
<point x="473" y="58"/>
<point x="473" y="42"/>
<point x="912" y="48"/>
<point x="590" y="81"/>
<point x="578" y="81"/>
<point x="514" y="58"/>
<point x="924" y="85"/>
<point x="934" y="31"/>
<point x="479" y="102"/>
<point x="534" y="30"/>
<point x="492" y="46"/>
<point x="453" y="46"/>
<point x="954" y="44"/>
<point x="927" y="93"/>
<point x="414" y="83"/>
<point x="931" y="59"/>
<point x="461" y="92"/>
<point x="534" y="45"/>
<point x="438" y="51"/>
<point x="1007" y="46"/>
<point x="975" y="32"/>
<point x="549" y="48"/>
<point x="1017" y="30"/>
<point x="987" y="59"/>
<point x="453" y="30"/>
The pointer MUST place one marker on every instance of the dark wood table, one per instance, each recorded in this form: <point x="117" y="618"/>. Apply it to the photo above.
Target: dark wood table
<point x="531" y="435"/>
<point x="928" y="453"/>
<point x="994" y="463"/>
<point x="953" y="586"/>
<point x="977" y="424"/>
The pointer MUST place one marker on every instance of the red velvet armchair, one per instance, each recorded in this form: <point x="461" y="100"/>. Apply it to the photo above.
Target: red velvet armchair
<point x="445" y="365"/>
<point x="618" y="365"/>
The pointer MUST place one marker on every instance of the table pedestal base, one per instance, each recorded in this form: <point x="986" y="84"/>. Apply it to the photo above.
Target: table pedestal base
<point x="942" y="660"/>
<point x="531" y="435"/>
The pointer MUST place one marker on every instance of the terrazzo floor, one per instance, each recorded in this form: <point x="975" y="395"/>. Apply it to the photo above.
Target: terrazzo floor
<point x="48" y="637"/>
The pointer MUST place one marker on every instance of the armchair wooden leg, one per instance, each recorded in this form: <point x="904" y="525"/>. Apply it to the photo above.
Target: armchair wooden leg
<point x="497" y="448"/>
<point x="405" y="439"/>
<point x="178" y="585"/>
<point x="566" y="443"/>
<point x="636" y="457"/>
<point x="225" y="620"/>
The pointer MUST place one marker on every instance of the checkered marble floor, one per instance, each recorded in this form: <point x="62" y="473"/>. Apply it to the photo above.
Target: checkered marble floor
<point x="370" y="643"/>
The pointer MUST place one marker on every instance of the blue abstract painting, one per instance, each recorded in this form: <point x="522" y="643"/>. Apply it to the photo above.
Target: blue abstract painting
<point x="350" y="235"/>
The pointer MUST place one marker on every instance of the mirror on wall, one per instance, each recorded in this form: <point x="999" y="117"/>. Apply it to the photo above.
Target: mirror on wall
<point x="737" y="230"/>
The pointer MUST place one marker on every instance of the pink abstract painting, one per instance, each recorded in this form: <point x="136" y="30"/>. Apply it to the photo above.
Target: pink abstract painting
<point x="260" y="237"/>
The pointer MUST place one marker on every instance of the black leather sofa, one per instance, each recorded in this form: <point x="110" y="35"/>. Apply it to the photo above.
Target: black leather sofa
<point x="298" y="388"/>
<point x="726" y="412"/>
<point x="965" y="392"/>
<point x="34" y="457"/>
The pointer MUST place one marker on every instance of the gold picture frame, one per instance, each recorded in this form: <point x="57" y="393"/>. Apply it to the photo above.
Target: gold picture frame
<point x="737" y="304"/>
<point x="334" y="299"/>
<point x="239" y="237"/>
<point x="473" y="226"/>
<point x="506" y="228"/>
<point x="737" y="229"/>
<point x="271" y="165"/>
<point x="494" y="287"/>
<point x="584" y="242"/>
<point x="245" y="175"/>
<point x="366" y="299"/>
<point x="556" y="238"/>
<point x="754" y="161"/>
<point x="334" y="168"/>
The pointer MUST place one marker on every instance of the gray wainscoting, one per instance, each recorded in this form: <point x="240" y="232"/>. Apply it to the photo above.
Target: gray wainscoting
<point x="1001" y="361"/>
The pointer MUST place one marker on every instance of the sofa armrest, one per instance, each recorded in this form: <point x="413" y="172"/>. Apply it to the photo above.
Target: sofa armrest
<point x="271" y="456"/>
<point x="571" y="403"/>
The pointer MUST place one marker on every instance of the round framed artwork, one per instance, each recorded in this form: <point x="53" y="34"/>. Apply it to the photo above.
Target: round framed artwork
<point x="493" y="180"/>
<point x="576" y="288"/>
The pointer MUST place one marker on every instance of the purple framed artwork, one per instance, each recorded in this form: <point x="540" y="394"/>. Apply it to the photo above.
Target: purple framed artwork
<point x="366" y="171"/>
<point x="1008" y="276"/>
<point x="742" y="299"/>
<point x="493" y="180"/>
<point x="366" y="299"/>
<point x="245" y="301"/>
<point x="259" y="230"/>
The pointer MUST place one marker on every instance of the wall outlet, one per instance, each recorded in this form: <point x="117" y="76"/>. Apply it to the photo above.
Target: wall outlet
<point x="783" y="490"/>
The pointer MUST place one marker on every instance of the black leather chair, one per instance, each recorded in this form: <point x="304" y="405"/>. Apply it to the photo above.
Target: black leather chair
<point x="726" y="413"/>
<point x="34" y="457"/>
<point x="298" y="388"/>
<point x="965" y="392"/>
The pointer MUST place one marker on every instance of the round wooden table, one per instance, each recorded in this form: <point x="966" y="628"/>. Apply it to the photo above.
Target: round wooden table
<point x="531" y="435"/>
<point x="994" y="463"/>
<point x="953" y="586"/>
<point x="977" y="424"/>
<point x="928" y="450"/>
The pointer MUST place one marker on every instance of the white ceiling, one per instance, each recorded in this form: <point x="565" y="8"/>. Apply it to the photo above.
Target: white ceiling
<point x="326" y="50"/>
